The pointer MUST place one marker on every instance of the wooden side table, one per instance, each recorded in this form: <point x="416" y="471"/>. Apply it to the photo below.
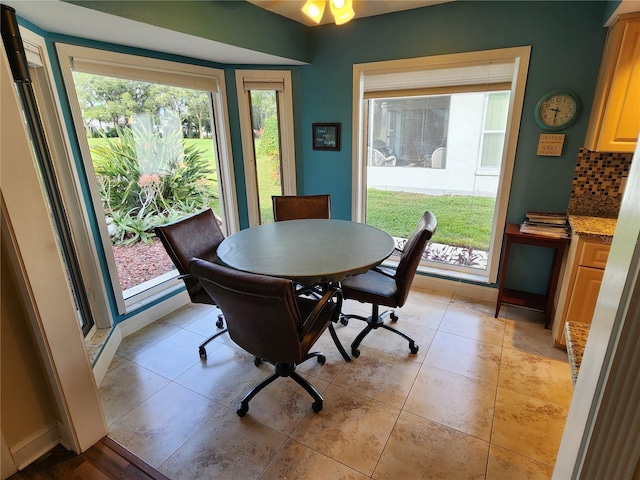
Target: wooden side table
<point x="544" y="303"/>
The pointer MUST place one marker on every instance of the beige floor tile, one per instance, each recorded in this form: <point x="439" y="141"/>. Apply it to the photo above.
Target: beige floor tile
<point x="453" y="400"/>
<point x="223" y="374"/>
<point x="145" y="338"/>
<point x="160" y="425"/>
<point x="466" y="322"/>
<point x="205" y="325"/>
<point x="421" y="449"/>
<point x="530" y="336"/>
<point x="172" y="356"/>
<point x="189" y="313"/>
<point x="126" y="387"/>
<point x="536" y="376"/>
<point x="116" y="362"/>
<point x="505" y="465"/>
<point x="379" y="375"/>
<point x="352" y="429"/>
<point x="297" y="462"/>
<point x="424" y="308"/>
<point x="528" y="426"/>
<point x="465" y="356"/>
<point x="281" y="405"/>
<point x="227" y="447"/>
<point x="334" y="363"/>
<point x="487" y="308"/>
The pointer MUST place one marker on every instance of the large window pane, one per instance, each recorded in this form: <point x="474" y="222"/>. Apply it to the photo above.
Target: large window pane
<point x="266" y="144"/>
<point x="437" y="143"/>
<point x="154" y="159"/>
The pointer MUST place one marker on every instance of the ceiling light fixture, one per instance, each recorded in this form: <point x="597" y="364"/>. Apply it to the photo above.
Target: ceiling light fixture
<point x="342" y="10"/>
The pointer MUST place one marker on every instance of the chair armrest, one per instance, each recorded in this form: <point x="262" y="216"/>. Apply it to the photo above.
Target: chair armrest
<point x="322" y="303"/>
<point x="183" y="276"/>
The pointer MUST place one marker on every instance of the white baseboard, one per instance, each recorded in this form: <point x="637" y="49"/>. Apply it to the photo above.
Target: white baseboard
<point x="456" y="288"/>
<point x="151" y="314"/>
<point x="132" y="325"/>
<point x="101" y="365"/>
<point x="35" y="446"/>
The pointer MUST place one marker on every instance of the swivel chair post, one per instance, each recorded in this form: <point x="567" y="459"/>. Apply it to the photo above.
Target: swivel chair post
<point x="283" y="369"/>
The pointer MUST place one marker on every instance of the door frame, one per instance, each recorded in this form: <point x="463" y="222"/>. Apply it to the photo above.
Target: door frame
<point x="280" y="79"/>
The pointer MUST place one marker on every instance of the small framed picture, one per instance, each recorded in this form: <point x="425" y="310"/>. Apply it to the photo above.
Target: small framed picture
<point x="326" y="136"/>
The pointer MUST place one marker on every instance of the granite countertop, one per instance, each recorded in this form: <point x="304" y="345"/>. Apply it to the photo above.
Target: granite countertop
<point x="576" y="335"/>
<point x="592" y="226"/>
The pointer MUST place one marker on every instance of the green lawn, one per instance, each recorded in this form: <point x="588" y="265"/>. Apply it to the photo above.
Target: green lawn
<point x="463" y="221"/>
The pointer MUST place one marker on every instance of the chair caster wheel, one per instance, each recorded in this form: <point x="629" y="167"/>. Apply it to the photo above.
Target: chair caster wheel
<point x="322" y="359"/>
<point x="315" y="406"/>
<point x="355" y="352"/>
<point x="202" y="352"/>
<point x="220" y="321"/>
<point x="242" y="410"/>
<point x="414" y="348"/>
<point x="393" y="317"/>
<point x="344" y="321"/>
<point x="257" y="361"/>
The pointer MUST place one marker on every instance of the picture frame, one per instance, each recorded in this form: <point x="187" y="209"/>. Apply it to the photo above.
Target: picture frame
<point x="326" y="136"/>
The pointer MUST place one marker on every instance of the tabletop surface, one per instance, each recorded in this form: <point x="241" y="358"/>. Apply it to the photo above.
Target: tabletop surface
<point x="307" y="251"/>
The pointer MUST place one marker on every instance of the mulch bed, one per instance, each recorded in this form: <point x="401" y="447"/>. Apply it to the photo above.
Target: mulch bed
<point x="140" y="262"/>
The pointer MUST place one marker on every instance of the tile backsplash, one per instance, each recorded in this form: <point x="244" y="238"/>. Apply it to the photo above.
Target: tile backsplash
<point x="598" y="183"/>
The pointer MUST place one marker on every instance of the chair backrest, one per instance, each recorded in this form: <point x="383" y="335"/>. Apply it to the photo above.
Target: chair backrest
<point x="412" y="253"/>
<point x="197" y="235"/>
<point x="439" y="158"/>
<point x="380" y="160"/>
<point x="296" y="207"/>
<point x="261" y="312"/>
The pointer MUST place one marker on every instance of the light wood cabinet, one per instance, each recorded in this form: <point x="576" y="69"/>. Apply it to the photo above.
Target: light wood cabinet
<point x="584" y="270"/>
<point x="614" y="123"/>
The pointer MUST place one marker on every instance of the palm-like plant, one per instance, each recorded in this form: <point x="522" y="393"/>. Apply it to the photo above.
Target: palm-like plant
<point x="144" y="176"/>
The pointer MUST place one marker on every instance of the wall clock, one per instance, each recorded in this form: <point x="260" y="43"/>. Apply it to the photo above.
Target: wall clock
<point x="557" y="110"/>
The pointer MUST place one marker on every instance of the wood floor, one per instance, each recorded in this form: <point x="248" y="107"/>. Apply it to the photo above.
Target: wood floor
<point x="106" y="460"/>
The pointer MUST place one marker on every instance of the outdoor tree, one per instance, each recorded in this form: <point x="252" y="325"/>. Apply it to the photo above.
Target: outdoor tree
<point x="263" y="106"/>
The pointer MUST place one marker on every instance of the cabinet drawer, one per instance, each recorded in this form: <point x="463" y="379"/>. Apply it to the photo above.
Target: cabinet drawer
<point x="594" y="255"/>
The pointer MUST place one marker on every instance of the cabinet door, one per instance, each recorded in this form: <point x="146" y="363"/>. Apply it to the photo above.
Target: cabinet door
<point x="615" y="118"/>
<point x="585" y="294"/>
<point x="621" y="121"/>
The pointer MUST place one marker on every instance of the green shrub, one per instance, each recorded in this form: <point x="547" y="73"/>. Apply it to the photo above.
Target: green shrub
<point x="270" y="139"/>
<point x="146" y="178"/>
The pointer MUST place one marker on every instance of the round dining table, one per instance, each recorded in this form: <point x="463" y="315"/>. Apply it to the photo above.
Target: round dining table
<point x="307" y="251"/>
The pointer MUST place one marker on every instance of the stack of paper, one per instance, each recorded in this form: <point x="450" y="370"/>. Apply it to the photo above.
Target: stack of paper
<point x="546" y="223"/>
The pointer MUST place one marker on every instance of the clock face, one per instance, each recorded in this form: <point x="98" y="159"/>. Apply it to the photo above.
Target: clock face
<point x="556" y="110"/>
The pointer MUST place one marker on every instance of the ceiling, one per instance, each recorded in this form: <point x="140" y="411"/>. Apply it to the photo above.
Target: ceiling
<point x="56" y="16"/>
<point x="363" y="8"/>
<point x="61" y="17"/>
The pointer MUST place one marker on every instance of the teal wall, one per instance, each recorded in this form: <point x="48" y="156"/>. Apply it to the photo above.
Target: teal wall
<point x="567" y="39"/>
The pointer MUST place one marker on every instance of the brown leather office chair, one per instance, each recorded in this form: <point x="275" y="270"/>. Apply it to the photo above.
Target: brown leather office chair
<point x="296" y="207"/>
<point x="299" y="207"/>
<point x="196" y="235"/>
<point x="381" y="287"/>
<point x="266" y="318"/>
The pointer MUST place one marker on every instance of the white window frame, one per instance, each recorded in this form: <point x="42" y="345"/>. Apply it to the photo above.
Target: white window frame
<point x="171" y="73"/>
<point x="519" y="55"/>
<point x="67" y="176"/>
<point x="266" y="79"/>
<point x="486" y="170"/>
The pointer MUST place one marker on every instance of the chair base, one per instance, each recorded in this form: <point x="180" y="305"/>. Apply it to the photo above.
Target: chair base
<point x="286" y="370"/>
<point x="374" y="322"/>
<point x="219" y="323"/>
